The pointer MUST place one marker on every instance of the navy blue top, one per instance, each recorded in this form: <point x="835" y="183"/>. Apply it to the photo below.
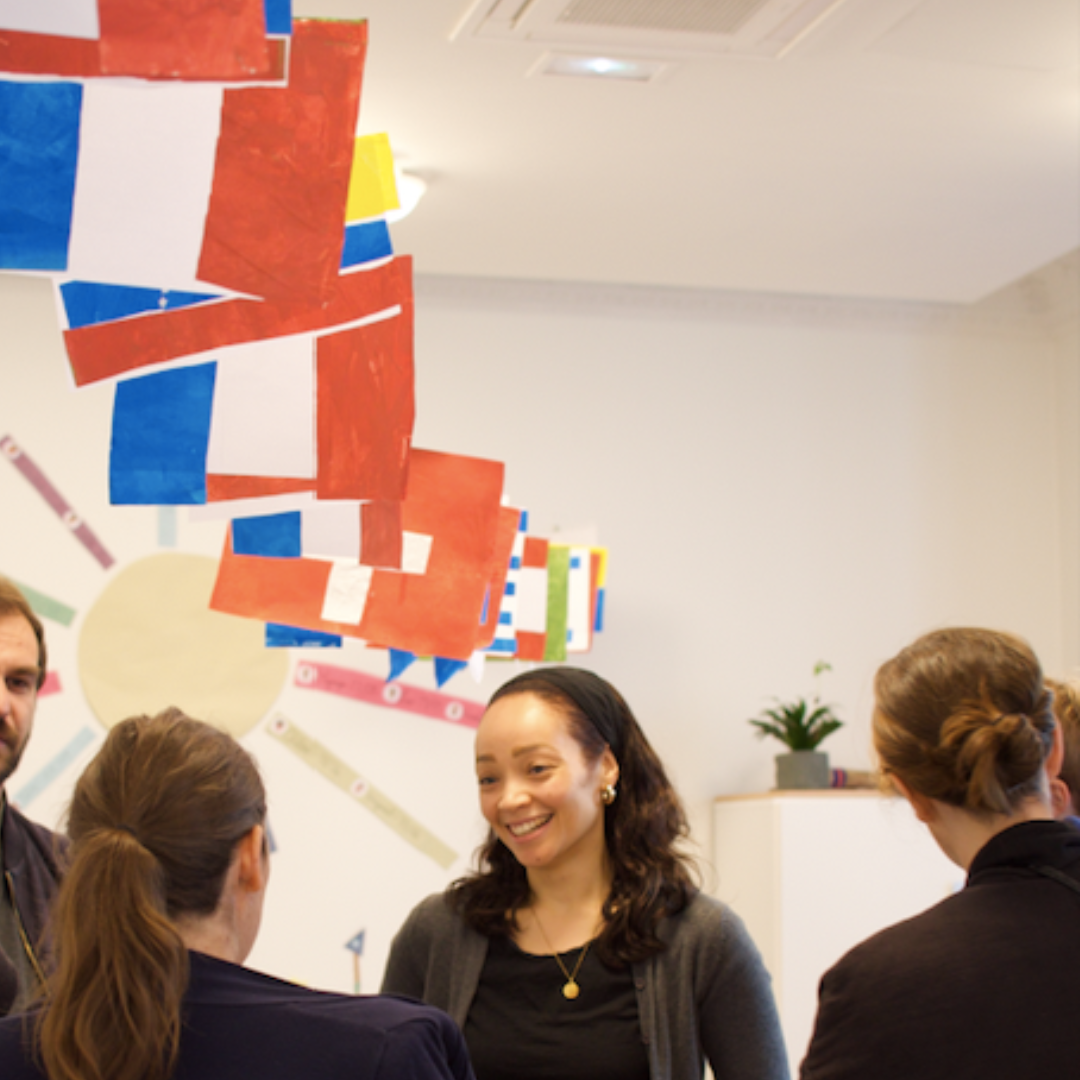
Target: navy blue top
<point x="240" y="1024"/>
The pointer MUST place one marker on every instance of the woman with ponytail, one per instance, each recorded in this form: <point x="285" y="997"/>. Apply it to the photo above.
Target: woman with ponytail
<point x="985" y="983"/>
<point x="159" y="909"/>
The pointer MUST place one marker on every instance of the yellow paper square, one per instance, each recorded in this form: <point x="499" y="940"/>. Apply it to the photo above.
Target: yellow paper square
<point x="372" y="188"/>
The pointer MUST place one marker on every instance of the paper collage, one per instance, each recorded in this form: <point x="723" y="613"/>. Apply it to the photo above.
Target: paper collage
<point x="191" y="177"/>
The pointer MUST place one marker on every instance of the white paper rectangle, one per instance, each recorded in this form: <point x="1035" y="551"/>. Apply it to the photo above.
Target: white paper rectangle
<point x="346" y="593"/>
<point x="415" y="552"/>
<point x="578" y="601"/>
<point x="146" y="165"/>
<point x="532" y="599"/>
<point x="65" y="18"/>
<point x="263" y="422"/>
<point x="331" y="530"/>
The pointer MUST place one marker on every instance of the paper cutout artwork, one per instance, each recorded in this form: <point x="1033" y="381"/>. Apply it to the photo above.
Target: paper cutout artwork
<point x="287" y="149"/>
<point x="359" y="686"/>
<point x="161" y="429"/>
<point x="55" y="767"/>
<point x="318" y="757"/>
<point x="47" y="607"/>
<point x="40" y="131"/>
<point x="213" y="216"/>
<point x="82" y="532"/>
<point x="372" y="188"/>
<point x="150" y="640"/>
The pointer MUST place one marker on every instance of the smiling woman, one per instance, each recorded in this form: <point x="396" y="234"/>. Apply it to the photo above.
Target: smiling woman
<point x="581" y="946"/>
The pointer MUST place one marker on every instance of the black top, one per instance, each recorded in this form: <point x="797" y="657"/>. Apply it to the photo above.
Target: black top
<point x="521" y="1027"/>
<point x="240" y="1024"/>
<point x="982" y="985"/>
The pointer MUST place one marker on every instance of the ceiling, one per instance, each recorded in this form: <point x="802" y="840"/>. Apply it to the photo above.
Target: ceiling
<point x="921" y="150"/>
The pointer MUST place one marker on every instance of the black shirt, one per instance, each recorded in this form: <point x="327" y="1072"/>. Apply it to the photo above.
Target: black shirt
<point x="521" y="1027"/>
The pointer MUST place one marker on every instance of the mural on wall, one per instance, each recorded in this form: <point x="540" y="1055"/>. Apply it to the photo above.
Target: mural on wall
<point x="192" y="181"/>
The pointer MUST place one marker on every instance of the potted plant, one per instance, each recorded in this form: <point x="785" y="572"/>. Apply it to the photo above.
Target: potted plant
<point x="801" y="726"/>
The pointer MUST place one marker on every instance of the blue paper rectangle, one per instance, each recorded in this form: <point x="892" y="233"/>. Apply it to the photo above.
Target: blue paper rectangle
<point x="39" y="150"/>
<point x="278" y="16"/>
<point x="88" y="303"/>
<point x="160" y="432"/>
<point x="274" y="536"/>
<point x="279" y="636"/>
<point x="365" y="243"/>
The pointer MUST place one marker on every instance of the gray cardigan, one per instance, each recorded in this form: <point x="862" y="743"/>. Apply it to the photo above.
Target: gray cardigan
<point x="707" y="995"/>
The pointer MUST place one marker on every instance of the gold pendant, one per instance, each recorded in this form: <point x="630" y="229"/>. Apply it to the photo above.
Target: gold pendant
<point x="571" y="990"/>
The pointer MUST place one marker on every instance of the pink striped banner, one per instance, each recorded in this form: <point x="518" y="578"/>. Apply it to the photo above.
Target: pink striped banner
<point x="372" y="690"/>
<point x="41" y="484"/>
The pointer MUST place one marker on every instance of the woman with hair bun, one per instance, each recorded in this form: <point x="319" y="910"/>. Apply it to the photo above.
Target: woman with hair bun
<point x="161" y="905"/>
<point x="581" y="948"/>
<point x="984" y="984"/>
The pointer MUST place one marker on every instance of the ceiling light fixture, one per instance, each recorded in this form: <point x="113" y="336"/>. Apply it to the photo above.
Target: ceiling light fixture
<point x="599" y="67"/>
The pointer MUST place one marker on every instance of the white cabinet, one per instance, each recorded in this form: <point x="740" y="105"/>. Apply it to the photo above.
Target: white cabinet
<point x="814" y="873"/>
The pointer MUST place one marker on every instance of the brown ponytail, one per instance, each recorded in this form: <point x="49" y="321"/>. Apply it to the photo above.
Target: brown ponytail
<point x="153" y="822"/>
<point x="962" y="716"/>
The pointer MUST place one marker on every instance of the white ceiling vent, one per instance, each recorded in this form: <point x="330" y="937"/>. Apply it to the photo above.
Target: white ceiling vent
<point x="765" y="28"/>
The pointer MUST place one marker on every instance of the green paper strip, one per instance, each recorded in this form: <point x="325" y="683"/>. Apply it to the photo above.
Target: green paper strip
<point x="335" y="770"/>
<point x="558" y="598"/>
<point x="46" y="606"/>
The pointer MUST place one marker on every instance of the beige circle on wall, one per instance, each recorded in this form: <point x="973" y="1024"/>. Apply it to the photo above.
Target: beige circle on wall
<point x="151" y="641"/>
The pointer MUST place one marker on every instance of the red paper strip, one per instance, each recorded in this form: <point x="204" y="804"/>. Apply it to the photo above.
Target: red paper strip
<point x="359" y="686"/>
<point x="453" y="499"/>
<point x="49" y="54"/>
<point x="275" y="223"/>
<point x="380" y="534"/>
<point x="531" y="643"/>
<point x="109" y="349"/>
<point x="224" y="488"/>
<point x="365" y="410"/>
<point x="10" y="449"/>
<point x="189" y="39"/>
<point x="287" y="591"/>
<point x="456" y="501"/>
<point x="498" y="568"/>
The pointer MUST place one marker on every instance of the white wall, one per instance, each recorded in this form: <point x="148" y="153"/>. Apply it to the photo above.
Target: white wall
<point x="778" y="481"/>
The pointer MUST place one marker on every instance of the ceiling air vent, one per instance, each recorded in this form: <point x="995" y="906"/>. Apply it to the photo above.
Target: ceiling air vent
<point x="672" y="28"/>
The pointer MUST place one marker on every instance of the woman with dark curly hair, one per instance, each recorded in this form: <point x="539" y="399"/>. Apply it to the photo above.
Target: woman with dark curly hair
<point x="984" y="984"/>
<point x="581" y="947"/>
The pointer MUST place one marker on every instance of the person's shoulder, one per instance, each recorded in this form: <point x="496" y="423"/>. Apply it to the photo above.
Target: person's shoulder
<point x="22" y="834"/>
<point x="15" y="1061"/>
<point x="434" y="914"/>
<point x="705" y="918"/>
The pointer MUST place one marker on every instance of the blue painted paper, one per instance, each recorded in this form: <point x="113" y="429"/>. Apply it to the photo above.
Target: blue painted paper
<point x="445" y="669"/>
<point x="356" y="943"/>
<point x="88" y="303"/>
<point x="271" y="535"/>
<point x="279" y="636"/>
<point x="278" y="16"/>
<point x="365" y="243"/>
<point x="400" y="660"/>
<point x="598" y="624"/>
<point x="54" y="767"/>
<point x="39" y="150"/>
<point x="160" y="432"/>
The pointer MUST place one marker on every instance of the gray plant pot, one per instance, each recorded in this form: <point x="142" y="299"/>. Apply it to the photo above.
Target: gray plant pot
<point x="802" y="770"/>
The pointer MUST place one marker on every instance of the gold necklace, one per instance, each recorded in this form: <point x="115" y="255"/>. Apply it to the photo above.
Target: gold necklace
<point x="570" y="989"/>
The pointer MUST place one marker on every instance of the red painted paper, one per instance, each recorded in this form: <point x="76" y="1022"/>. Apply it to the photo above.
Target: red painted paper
<point x="48" y="54"/>
<point x="365" y="409"/>
<point x="498" y="568"/>
<point x="380" y="535"/>
<point x="453" y="499"/>
<point x="109" y="349"/>
<point x="275" y="223"/>
<point x="221" y="488"/>
<point x="186" y="39"/>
